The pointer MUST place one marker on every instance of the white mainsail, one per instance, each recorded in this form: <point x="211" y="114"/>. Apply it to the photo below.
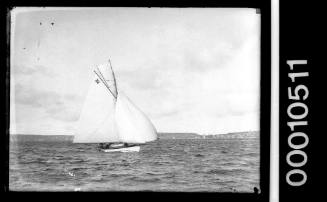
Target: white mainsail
<point x="132" y="124"/>
<point x="96" y="122"/>
<point x="109" y="116"/>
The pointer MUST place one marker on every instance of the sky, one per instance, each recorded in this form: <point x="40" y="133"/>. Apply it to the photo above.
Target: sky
<point x="189" y="69"/>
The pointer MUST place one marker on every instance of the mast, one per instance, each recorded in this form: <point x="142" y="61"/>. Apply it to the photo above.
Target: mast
<point x="113" y="75"/>
<point x="106" y="118"/>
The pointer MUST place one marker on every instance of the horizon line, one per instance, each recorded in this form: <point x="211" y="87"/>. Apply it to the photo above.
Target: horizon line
<point x="157" y="132"/>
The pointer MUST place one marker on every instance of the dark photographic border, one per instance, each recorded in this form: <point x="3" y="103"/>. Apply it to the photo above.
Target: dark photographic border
<point x="301" y="39"/>
<point x="264" y="7"/>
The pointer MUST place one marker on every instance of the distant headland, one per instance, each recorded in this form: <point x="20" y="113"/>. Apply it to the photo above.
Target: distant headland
<point x="236" y="135"/>
<point x="161" y="135"/>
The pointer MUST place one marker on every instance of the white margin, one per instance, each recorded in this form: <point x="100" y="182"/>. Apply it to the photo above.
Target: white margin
<point x="12" y="101"/>
<point x="274" y="128"/>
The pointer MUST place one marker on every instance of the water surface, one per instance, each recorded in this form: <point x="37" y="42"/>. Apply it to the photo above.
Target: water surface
<point x="187" y="165"/>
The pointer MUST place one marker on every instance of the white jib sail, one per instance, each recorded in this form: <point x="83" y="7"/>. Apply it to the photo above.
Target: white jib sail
<point x="132" y="124"/>
<point x="96" y="123"/>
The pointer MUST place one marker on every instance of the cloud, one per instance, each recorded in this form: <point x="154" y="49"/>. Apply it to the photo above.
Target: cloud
<point x="37" y="87"/>
<point x="141" y="78"/>
<point x="64" y="107"/>
<point x="32" y="70"/>
<point x="36" y="98"/>
<point x="185" y="68"/>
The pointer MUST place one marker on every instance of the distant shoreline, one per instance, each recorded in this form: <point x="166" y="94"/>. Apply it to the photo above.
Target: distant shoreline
<point x="161" y="135"/>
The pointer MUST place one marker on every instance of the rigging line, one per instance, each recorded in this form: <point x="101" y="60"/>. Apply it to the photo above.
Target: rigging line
<point x="103" y="78"/>
<point x="113" y="74"/>
<point x="105" y="81"/>
<point x="104" y="84"/>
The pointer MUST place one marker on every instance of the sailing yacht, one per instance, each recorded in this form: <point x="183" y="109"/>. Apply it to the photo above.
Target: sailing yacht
<point x="109" y="116"/>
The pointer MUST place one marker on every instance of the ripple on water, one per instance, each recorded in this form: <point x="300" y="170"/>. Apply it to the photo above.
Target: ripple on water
<point x="175" y="165"/>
